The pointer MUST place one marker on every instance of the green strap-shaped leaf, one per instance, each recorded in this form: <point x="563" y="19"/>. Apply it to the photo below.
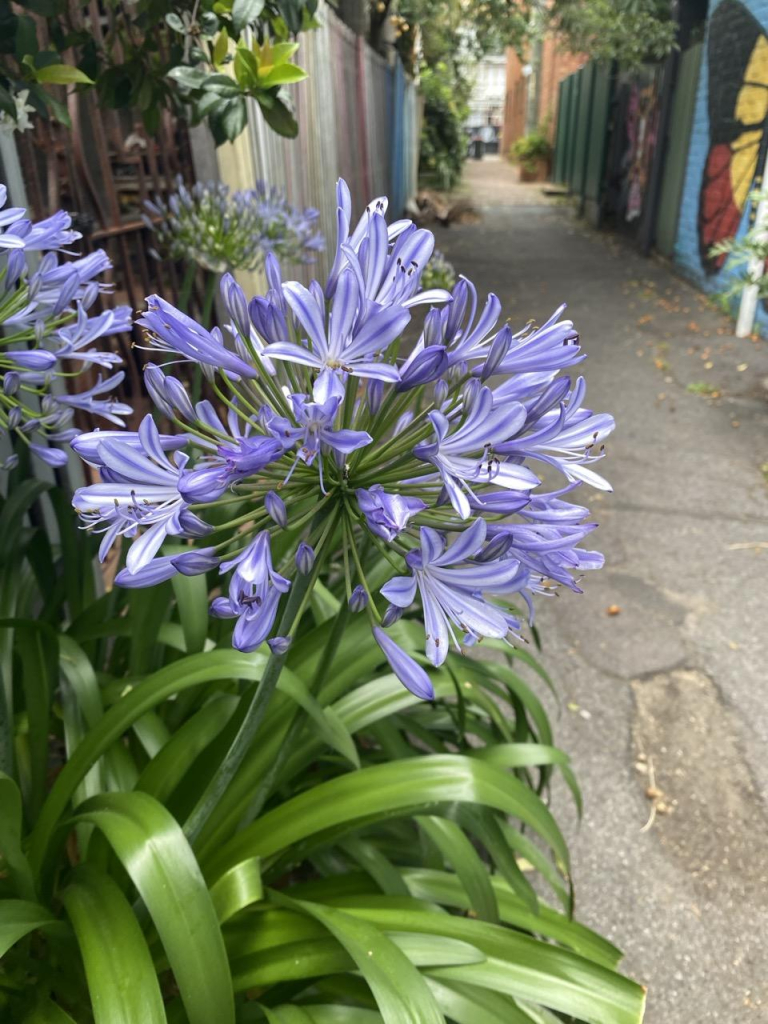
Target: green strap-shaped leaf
<point x="192" y="602"/>
<point x="321" y="1015"/>
<point x="122" y="982"/>
<point x="463" y="857"/>
<point x="182" y="674"/>
<point x="11" y="853"/>
<point x="19" y="500"/>
<point x="380" y="868"/>
<point x="467" y="1005"/>
<point x="329" y="725"/>
<point x="603" y="1002"/>
<point x="295" y="961"/>
<point x="18" y="918"/>
<point x="287" y="1015"/>
<point x="48" y="1012"/>
<point x="37" y="646"/>
<point x="167" y="768"/>
<point x="401" y="993"/>
<point x="160" y="862"/>
<point x="387" y="790"/>
<point x="523" y="967"/>
<point x="446" y="889"/>
<point x="237" y="888"/>
<point x="524" y="755"/>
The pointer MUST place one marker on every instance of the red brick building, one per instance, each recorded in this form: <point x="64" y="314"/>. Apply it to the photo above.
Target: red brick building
<point x="555" y="65"/>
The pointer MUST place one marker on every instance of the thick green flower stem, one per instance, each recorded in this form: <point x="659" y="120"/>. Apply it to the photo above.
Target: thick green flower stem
<point x="252" y="720"/>
<point x="296" y="604"/>
<point x="211" y="280"/>
<point x="264" y="788"/>
<point x="186" y="286"/>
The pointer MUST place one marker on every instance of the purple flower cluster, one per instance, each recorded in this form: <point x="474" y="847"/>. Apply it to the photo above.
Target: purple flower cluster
<point x="333" y="445"/>
<point x="226" y="231"/>
<point x="48" y="336"/>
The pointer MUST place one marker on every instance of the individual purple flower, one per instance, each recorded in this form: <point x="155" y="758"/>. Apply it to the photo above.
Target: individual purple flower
<point x="138" y="491"/>
<point x="553" y="346"/>
<point x="343" y="346"/>
<point x="91" y="401"/>
<point x="231" y="463"/>
<point x="87" y="444"/>
<point x="255" y="590"/>
<point x="451" y="584"/>
<point x="568" y="438"/>
<point x="85" y="330"/>
<point x="423" y="367"/>
<point x="410" y="673"/>
<point x="170" y="330"/>
<point x="316" y="429"/>
<point x="465" y="456"/>
<point x="279" y="645"/>
<point x="387" y="515"/>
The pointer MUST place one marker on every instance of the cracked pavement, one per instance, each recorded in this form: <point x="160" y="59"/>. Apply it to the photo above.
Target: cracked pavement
<point x="667" y="695"/>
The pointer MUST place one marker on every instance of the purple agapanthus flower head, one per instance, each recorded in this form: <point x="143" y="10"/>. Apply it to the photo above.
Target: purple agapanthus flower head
<point x="49" y="335"/>
<point x="400" y="471"/>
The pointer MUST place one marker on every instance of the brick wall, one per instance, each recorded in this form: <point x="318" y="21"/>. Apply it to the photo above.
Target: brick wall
<point x="556" y="64"/>
<point x="728" y="139"/>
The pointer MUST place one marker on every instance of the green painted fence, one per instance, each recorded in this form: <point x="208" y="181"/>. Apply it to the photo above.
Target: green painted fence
<point x="582" y="129"/>
<point x="678" y="139"/>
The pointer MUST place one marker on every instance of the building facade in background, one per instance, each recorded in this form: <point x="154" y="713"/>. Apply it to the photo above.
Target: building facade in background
<point x="532" y="84"/>
<point x="486" y="104"/>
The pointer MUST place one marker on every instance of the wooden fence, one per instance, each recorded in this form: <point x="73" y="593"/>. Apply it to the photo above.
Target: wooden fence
<point x="358" y="119"/>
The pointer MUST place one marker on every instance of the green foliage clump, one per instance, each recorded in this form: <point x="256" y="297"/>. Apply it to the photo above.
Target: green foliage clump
<point x="627" y="31"/>
<point x="362" y="867"/>
<point x="439" y="273"/>
<point x="443" y="142"/>
<point x="751" y="248"/>
<point x="529" y="149"/>
<point x="151" y="56"/>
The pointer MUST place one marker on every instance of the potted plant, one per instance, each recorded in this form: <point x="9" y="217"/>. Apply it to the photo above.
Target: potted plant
<point x="533" y="153"/>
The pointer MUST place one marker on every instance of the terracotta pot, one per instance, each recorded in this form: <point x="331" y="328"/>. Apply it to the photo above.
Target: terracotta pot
<point x="537" y="171"/>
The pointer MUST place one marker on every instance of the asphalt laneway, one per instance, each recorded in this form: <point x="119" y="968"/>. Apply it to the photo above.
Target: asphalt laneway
<point x="661" y="664"/>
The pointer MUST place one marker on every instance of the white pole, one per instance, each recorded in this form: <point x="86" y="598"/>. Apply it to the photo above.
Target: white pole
<point x="755" y="267"/>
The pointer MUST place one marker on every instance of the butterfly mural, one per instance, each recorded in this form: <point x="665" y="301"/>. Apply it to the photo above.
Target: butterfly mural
<point x="737" y="56"/>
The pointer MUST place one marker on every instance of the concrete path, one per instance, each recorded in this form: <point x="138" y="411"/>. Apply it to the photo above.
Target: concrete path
<point x="661" y="664"/>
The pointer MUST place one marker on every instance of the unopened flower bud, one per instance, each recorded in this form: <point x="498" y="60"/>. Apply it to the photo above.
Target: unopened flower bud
<point x="358" y="600"/>
<point x="305" y="558"/>
<point x="470" y="393"/>
<point x="195" y="562"/>
<point x="374" y="395"/>
<point x="275" y="506"/>
<point x="177" y="396"/>
<point x="404" y="421"/>
<point x="154" y="381"/>
<point x="498" y="350"/>
<point x="279" y="644"/>
<point x="391" y="615"/>
<point x="441" y="392"/>
<point x="11" y="382"/>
